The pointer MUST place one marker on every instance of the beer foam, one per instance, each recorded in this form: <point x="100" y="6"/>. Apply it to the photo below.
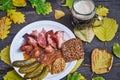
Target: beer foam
<point x="84" y="7"/>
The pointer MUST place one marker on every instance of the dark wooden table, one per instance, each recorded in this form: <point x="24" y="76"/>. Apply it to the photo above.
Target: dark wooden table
<point x="31" y="16"/>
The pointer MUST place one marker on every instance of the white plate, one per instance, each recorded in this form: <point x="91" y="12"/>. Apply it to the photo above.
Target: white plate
<point x="16" y="54"/>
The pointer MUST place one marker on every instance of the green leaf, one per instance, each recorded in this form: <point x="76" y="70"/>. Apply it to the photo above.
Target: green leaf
<point x="69" y="77"/>
<point x="76" y="76"/>
<point x="41" y="6"/>
<point x="102" y="11"/>
<point x="77" y="65"/>
<point x="106" y="31"/>
<point x="116" y="49"/>
<point x="4" y="55"/>
<point x="12" y="75"/>
<point x="6" y="4"/>
<point x="85" y="34"/>
<point x="69" y="3"/>
<point x="98" y="78"/>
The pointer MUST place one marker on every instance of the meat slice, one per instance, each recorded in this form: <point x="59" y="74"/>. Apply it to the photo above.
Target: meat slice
<point x="49" y="49"/>
<point x="59" y="38"/>
<point x="72" y="50"/>
<point x="36" y="52"/>
<point x="34" y="34"/>
<point x="27" y="48"/>
<point x="31" y="41"/>
<point x="41" y="39"/>
<point x="51" y="41"/>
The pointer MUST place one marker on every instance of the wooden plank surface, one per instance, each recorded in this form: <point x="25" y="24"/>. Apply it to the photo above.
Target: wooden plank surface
<point x="31" y="16"/>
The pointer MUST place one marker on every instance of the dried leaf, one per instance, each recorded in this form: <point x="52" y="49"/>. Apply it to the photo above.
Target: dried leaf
<point x="19" y="3"/>
<point x="59" y="14"/>
<point x="85" y="34"/>
<point x="16" y="17"/>
<point x="116" y="49"/>
<point x="98" y="78"/>
<point x="69" y="3"/>
<point x="4" y="55"/>
<point x="102" y="11"/>
<point x="6" y="4"/>
<point x="77" y="65"/>
<point x="41" y="6"/>
<point x="101" y="61"/>
<point x="5" y="25"/>
<point x="12" y="75"/>
<point x="106" y="31"/>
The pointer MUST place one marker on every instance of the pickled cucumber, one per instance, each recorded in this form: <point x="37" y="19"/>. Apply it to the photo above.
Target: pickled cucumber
<point x="35" y="73"/>
<point x="43" y="74"/>
<point x="21" y="63"/>
<point x="29" y="68"/>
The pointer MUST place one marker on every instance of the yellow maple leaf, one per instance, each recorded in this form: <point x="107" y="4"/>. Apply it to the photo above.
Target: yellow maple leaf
<point x="19" y="3"/>
<point x="16" y="17"/>
<point x="4" y="55"/>
<point x="5" y="25"/>
<point x="102" y="11"/>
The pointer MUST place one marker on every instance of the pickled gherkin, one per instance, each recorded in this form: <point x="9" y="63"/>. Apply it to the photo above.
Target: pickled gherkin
<point x="43" y="74"/>
<point x="36" y="72"/>
<point x="21" y="63"/>
<point x="29" y="68"/>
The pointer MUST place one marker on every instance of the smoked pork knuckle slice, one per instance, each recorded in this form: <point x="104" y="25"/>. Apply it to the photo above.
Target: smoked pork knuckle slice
<point x="72" y="50"/>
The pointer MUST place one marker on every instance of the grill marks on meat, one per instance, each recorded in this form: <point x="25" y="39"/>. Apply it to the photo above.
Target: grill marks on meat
<point x="72" y="50"/>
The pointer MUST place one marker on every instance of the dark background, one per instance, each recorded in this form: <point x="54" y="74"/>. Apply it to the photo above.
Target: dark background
<point x="31" y="16"/>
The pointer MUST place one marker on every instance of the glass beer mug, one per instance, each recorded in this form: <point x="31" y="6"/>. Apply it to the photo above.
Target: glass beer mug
<point x="82" y="11"/>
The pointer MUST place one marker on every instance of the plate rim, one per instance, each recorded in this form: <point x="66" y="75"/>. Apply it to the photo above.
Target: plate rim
<point x="32" y="23"/>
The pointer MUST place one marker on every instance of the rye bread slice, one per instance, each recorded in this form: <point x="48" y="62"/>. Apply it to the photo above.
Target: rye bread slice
<point x="72" y="50"/>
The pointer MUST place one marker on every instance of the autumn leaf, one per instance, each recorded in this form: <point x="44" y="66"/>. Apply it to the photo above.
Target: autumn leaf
<point x="97" y="23"/>
<point x="12" y="75"/>
<point x="16" y="17"/>
<point x="59" y="14"/>
<point x="4" y="55"/>
<point x="41" y="6"/>
<point x="69" y="3"/>
<point x="106" y="31"/>
<point x="77" y="65"/>
<point x="116" y="49"/>
<point x="19" y="3"/>
<point x="6" y="4"/>
<point x="101" y="61"/>
<point x="98" y="78"/>
<point x="75" y="76"/>
<point x="102" y="11"/>
<point x="85" y="34"/>
<point x="5" y="25"/>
